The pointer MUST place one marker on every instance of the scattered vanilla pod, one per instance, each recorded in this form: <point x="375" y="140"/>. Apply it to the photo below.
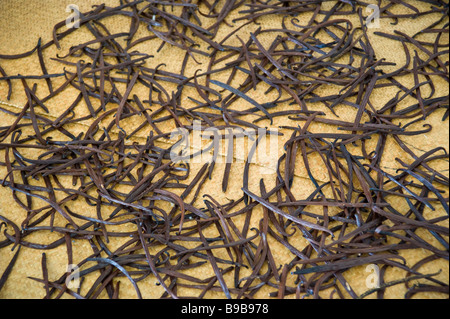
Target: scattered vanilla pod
<point x="350" y="220"/>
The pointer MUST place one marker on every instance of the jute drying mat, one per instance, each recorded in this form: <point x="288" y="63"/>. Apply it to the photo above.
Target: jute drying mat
<point x="358" y="180"/>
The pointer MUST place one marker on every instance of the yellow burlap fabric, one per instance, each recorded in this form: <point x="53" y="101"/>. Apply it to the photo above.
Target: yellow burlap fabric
<point x="23" y="22"/>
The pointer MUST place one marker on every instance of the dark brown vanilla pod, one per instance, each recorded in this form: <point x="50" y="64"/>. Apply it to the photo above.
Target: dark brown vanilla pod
<point x="8" y="270"/>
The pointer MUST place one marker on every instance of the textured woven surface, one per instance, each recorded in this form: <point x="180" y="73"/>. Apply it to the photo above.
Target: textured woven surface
<point x="23" y="22"/>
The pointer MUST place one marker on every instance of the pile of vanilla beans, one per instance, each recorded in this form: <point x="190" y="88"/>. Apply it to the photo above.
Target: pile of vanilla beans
<point x="348" y="221"/>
